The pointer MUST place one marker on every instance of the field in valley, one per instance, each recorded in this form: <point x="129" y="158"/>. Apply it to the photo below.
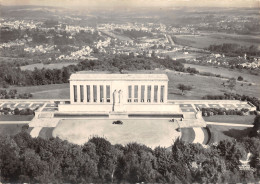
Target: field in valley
<point x="204" y="40"/>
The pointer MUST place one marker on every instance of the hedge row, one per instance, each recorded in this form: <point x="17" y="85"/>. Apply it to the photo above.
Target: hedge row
<point x="16" y="111"/>
<point x="12" y="94"/>
<point x="222" y="111"/>
<point x="232" y="96"/>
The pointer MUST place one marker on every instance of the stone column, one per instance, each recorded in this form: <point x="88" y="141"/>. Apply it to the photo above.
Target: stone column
<point x="91" y="94"/>
<point x="78" y="93"/>
<point x="145" y="93"/>
<point x="159" y="94"/>
<point x="110" y="92"/>
<point x="165" y="98"/>
<point x="98" y="93"/>
<point x="71" y="94"/>
<point x="85" y="94"/>
<point x="139" y="93"/>
<point x="152" y="93"/>
<point x="133" y="93"/>
<point x="105" y="93"/>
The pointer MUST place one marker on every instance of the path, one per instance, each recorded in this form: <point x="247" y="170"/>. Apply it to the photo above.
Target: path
<point x="228" y="124"/>
<point x="199" y="135"/>
<point x="49" y="90"/>
<point x="35" y="132"/>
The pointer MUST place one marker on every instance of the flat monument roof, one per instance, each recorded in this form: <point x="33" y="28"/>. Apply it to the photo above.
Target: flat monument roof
<point x="82" y="76"/>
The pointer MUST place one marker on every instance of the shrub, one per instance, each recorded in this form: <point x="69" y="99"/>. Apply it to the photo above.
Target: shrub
<point x="240" y="78"/>
<point x="25" y="127"/>
<point x="16" y="111"/>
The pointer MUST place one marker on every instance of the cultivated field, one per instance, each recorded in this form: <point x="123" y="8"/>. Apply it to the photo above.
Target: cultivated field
<point x="204" y="40"/>
<point x="144" y="131"/>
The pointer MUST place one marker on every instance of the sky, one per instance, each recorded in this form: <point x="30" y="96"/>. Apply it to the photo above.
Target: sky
<point x="135" y="3"/>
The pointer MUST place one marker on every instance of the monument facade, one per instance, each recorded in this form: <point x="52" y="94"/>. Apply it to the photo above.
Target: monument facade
<point x="100" y="92"/>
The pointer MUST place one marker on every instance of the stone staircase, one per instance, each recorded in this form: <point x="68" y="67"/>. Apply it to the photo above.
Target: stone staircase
<point x="118" y="115"/>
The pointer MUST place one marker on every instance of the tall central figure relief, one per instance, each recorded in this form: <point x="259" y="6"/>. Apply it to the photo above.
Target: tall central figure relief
<point x="117" y="100"/>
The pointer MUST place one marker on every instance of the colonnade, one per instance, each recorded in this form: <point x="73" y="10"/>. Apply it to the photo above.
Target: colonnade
<point x="136" y="93"/>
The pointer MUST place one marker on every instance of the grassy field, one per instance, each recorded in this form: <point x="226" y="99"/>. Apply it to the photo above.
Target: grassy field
<point x="226" y="72"/>
<point x="10" y="129"/>
<point x="187" y="135"/>
<point x="229" y="132"/>
<point x="231" y="119"/>
<point x="202" y="85"/>
<point x="204" y="40"/>
<point x="16" y="118"/>
<point x="49" y="66"/>
<point x="46" y="132"/>
<point x="152" y="133"/>
<point x="52" y="91"/>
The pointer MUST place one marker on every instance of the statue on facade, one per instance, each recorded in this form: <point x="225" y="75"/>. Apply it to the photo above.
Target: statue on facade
<point x="120" y="95"/>
<point x="116" y="97"/>
<point x="118" y="101"/>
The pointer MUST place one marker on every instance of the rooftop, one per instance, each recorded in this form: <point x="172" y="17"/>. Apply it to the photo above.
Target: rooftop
<point x="118" y="77"/>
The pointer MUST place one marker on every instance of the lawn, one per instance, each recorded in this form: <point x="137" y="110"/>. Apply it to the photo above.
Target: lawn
<point x="149" y="132"/>
<point x="16" y="118"/>
<point x="187" y="135"/>
<point x="11" y="129"/>
<point x="231" y="119"/>
<point x="203" y="85"/>
<point x="219" y="133"/>
<point x="46" y="132"/>
<point x="51" y="91"/>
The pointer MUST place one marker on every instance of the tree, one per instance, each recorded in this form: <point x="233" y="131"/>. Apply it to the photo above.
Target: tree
<point x="240" y="78"/>
<point x="231" y="84"/>
<point x="184" y="88"/>
<point x="256" y="129"/>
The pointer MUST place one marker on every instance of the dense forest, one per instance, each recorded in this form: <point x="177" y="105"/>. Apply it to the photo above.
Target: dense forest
<point x="34" y="160"/>
<point x="13" y="75"/>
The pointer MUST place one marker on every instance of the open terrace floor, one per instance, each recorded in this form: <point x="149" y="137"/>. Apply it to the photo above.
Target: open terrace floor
<point x="185" y="105"/>
<point x="149" y="132"/>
